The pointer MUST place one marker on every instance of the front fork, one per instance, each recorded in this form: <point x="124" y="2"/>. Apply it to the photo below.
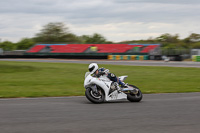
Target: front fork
<point x="94" y="89"/>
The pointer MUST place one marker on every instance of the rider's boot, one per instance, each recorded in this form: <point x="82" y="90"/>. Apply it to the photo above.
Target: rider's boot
<point x="125" y="87"/>
<point x="122" y="86"/>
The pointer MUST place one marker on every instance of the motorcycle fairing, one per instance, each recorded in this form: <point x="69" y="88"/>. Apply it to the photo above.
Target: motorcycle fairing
<point x="105" y="84"/>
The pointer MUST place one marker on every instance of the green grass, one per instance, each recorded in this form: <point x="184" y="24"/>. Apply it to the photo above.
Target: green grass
<point x="31" y="79"/>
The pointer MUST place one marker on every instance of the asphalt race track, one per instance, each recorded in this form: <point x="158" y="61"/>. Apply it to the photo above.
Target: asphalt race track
<point x="130" y="63"/>
<point x="156" y="113"/>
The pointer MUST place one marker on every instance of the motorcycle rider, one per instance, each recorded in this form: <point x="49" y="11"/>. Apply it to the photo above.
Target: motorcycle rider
<point x="96" y="72"/>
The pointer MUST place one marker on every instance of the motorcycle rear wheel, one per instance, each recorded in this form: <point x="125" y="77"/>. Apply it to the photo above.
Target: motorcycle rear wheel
<point x="95" y="97"/>
<point x="135" y="97"/>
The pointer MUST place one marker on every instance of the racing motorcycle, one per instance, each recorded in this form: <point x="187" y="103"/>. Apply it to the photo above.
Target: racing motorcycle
<point x="102" y="89"/>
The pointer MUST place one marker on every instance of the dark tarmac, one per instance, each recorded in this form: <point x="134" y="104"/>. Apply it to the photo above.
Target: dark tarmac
<point x="156" y="113"/>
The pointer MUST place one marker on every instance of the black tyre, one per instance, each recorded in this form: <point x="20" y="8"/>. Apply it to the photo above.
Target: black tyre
<point x="94" y="97"/>
<point x="134" y="97"/>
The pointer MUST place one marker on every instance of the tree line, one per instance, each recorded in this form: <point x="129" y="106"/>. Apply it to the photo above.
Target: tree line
<point x="55" y="33"/>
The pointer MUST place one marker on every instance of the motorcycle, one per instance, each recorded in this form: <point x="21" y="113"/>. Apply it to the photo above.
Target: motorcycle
<point x="102" y="89"/>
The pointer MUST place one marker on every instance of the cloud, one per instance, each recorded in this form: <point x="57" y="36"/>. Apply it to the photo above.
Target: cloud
<point x="138" y="30"/>
<point x="115" y="19"/>
<point x="160" y="1"/>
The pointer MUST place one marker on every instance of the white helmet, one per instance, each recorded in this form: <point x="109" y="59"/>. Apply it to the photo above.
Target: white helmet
<point x="93" y="67"/>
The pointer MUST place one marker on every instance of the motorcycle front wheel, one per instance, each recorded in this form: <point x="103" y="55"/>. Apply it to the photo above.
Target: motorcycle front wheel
<point x="135" y="97"/>
<point x="95" y="97"/>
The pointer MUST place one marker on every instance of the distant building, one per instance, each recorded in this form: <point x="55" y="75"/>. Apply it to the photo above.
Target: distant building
<point x="195" y="52"/>
<point x="1" y="51"/>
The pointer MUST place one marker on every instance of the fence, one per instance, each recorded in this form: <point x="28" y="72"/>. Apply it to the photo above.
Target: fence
<point x="196" y="58"/>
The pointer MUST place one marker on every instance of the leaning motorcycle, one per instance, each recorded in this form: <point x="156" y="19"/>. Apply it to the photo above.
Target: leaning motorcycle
<point x="102" y="89"/>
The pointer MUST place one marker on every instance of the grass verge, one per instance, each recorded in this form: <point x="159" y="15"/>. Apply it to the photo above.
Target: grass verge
<point x="31" y="79"/>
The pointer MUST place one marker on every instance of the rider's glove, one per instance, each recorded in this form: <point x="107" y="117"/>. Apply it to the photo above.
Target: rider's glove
<point x="101" y="69"/>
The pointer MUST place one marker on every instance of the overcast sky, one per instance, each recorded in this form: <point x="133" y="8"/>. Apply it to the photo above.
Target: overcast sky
<point x="117" y="20"/>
